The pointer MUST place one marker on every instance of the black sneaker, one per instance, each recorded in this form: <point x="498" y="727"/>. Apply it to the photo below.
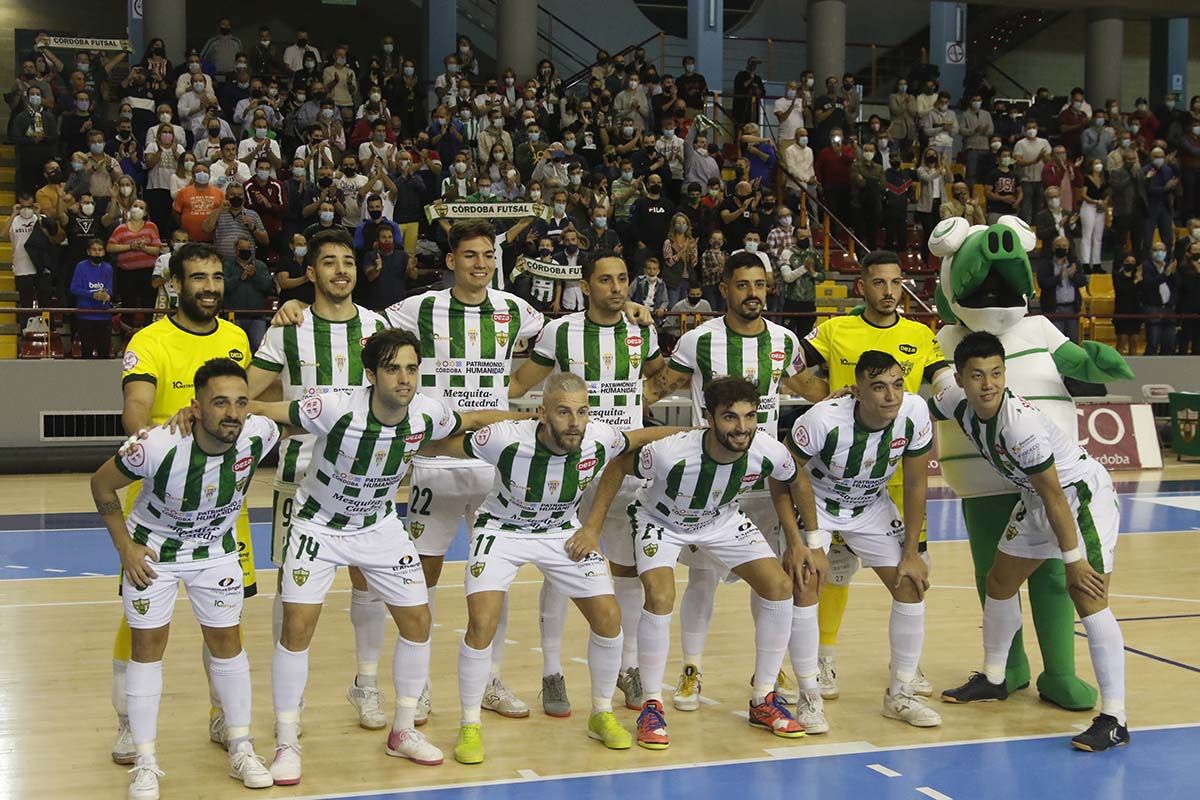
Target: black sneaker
<point x="1105" y="732"/>
<point x="977" y="689"/>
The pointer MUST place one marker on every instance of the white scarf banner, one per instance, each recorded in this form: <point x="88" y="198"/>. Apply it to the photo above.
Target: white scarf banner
<point x="546" y="269"/>
<point x="452" y="211"/>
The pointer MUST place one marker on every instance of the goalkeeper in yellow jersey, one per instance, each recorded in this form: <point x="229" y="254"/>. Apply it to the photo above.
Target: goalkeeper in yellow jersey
<point x="837" y="343"/>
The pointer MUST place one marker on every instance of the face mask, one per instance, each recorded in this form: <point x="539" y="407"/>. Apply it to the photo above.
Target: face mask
<point x="377" y="213"/>
<point x="214" y="132"/>
<point x="237" y="202"/>
<point x="349" y="171"/>
<point x="498" y="123"/>
<point x="545" y="252"/>
<point x="498" y="155"/>
<point x="868" y="155"/>
<point x="790" y="94"/>
<point x="188" y="166"/>
<point x="1060" y="252"/>
<point x="1054" y="203"/>
<point x="901" y="88"/>
<point x="751" y="247"/>
<point x="84" y="67"/>
<point x="976" y="105"/>
<point x="260" y="133"/>
<point x="572" y="249"/>
<point x="1097" y="168"/>
<point x="669" y="133"/>
<point x="452" y="69"/>
<point x="409" y="72"/>
<point x="126" y="191"/>
<point x="137" y="212"/>
<point x="1076" y="105"/>
<point x="1134" y="128"/>
<point x="628" y="176"/>
<point x="465" y="113"/>
<point x="263" y="174"/>
<point x="325" y="217"/>
<point x="1031" y="133"/>
<point x="375" y="97"/>
<point x="1196" y="130"/>
<point x="460" y="167"/>
<point x="633" y="84"/>
<point x="245" y="254"/>
<point x="1196" y="233"/>
<point x="341" y="62"/>
<point x="327" y="113"/>
<point x="535" y="195"/>
<point x="1159" y="255"/>
<point x="1170" y="104"/>
<point x="995" y="147"/>
<point x="1158" y="162"/>
<point x="653" y="189"/>
<point x="198" y="87"/>
<point x="1126" y="143"/>
<point x="26" y="212"/>
<point x="627" y="130"/>
<point x="200" y="178"/>
<point x="88" y="209"/>
<point x="802" y="141"/>
<point x="560" y="209"/>
<point x="83" y="105"/>
<point x="785" y="220"/>
<point x="388" y="47"/>
<point x="689" y="68"/>
<point x="600" y="222"/>
<point x="96" y="147"/>
<point x="1004" y="162"/>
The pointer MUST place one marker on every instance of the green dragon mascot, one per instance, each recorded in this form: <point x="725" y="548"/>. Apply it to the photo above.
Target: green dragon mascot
<point x="985" y="284"/>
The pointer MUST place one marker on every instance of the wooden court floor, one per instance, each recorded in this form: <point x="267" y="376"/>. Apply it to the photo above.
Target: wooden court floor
<point x="56" y="721"/>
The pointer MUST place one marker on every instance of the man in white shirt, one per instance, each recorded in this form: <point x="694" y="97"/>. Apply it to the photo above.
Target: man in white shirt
<point x="192" y="103"/>
<point x="789" y="110"/>
<point x="799" y="175"/>
<point x="673" y="150"/>
<point x="751" y="244"/>
<point x="183" y="84"/>
<point x="293" y="55"/>
<point x="1029" y="154"/>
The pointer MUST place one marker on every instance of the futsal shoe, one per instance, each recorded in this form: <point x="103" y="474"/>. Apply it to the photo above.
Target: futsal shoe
<point x="772" y="715"/>
<point x="629" y="681"/>
<point x="920" y="684"/>
<point x="652" y="727"/>
<point x="904" y="706"/>
<point x="810" y="712"/>
<point x="977" y="689"/>
<point x="827" y="678"/>
<point x="469" y="747"/>
<point x="554" y="696"/>
<point x="498" y="698"/>
<point x="410" y="744"/>
<point x="687" y="691"/>
<point x="1104" y="733"/>
<point x="603" y="727"/>
<point x="367" y="701"/>
<point x="248" y="767"/>
<point x="143" y="783"/>
<point x="123" y="750"/>
<point x="216" y="726"/>
<point x="285" y="769"/>
<point x="424" y="706"/>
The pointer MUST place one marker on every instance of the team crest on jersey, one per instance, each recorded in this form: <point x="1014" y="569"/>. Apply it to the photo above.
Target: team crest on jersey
<point x="416" y="529"/>
<point x="552" y="486"/>
<point x="635" y="359"/>
<point x="647" y="460"/>
<point x="1010" y="533"/>
<point x="608" y="360"/>
<point x="141" y="605"/>
<point x="477" y="569"/>
<point x="136" y="457"/>
<point x="650" y="549"/>
<point x="502" y="338"/>
<point x="752" y="374"/>
<point x="801" y="436"/>
<point x="210" y="492"/>
<point x="473" y="335"/>
<point x="776" y="374"/>
<point x="379" y="456"/>
<point x="241" y="486"/>
<point x="906" y="367"/>
<point x="583" y="484"/>
<point x="130" y="361"/>
<point x="480" y="437"/>
<point x="340" y="361"/>
<point x="311" y="407"/>
<point x="300" y="576"/>
<point x="907" y="349"/>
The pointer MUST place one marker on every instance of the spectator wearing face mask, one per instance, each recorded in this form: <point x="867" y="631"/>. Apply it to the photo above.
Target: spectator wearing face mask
<point x="1029" y="155"/>
<point x="92" y="288"/>
<point x="35" y="134"/>
<point x="1094" y="197"/>
<point x="1158" y="182"/>
<point x="248" y="283"/>
<point x="977" y="129"/>
<point x="680" y="258"/>
<point x="1189" y="160"/>
<point x="385" y="272"/>
<point x="866" y="186"/>
<point x="167" y="298"/>
<point x="266" y="196"/>
<point x="941" y="126"/>
<point x="800" y="268"/>
<point x="748" y="91"/>
<point x="902" y="108"/>
<point x="221" y="50"/>
<point x="1128" y="203"/>
<point x="672" y="148"/>
<point x="960" y="204"/>
<point x="1004" y="191"/>
<point x="1054" y="221"/>
<point x="1073" y="119"/>
<point x="32" y="248"/>
<point x="196" y="203"/>
<point x="136" y="244"/>
<point x="650" y="290"/>
<point x="1157" y="295"/>
<point x="162" y="162"/>
<point x="1127" y="281"/>
<point x="367" y="231"/>
<point x="833" y="172"/>
<point x="295" y="54"/>
<point x="232" y="221"/>
<point x="1060" y="279"/>
<point x="1188" y="284"/>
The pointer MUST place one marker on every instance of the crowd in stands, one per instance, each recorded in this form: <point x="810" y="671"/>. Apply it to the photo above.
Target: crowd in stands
<point x="259" y="145"/>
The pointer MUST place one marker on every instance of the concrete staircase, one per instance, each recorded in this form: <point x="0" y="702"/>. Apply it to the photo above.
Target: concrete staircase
<point x="8" y="288"/>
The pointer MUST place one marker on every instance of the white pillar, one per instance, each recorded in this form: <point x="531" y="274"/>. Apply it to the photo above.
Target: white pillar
<point x="1102" y="63"/>
<point x="827" y="39"/>
<point x="166" y="20"/>
<point x="516" y="37"/>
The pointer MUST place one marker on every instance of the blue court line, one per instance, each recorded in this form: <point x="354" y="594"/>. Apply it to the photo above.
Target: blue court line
<point x="1146" y="654"/>
<point x="1155" y="764"/>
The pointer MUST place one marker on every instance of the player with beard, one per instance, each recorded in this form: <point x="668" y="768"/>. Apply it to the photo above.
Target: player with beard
<point x="743" y="344"/>
<point x="158" y="371"/>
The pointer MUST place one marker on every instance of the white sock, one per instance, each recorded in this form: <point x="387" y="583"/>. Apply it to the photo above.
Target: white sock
<point x="143" y="691"/>
<point x="206" y="659"/>
<point x="630" y="599"/>
<point x="432" y="590"/>
<point x="231" y="678"/>
<point x="277" y="617"/>
<point x="1001" y="621"/>
<point x="552" y="619"/>
<point x="906" y="633"/>
<point x="772" y="630"/>
<point x="410" y="668"/>
<point x="827" y="651"/>
<point x="604" y="661"/>
<point x="802" y="647"/>
<point x="695" y="613"/>
<point x="1107" y="648"/>
<point x="368" y="615"/>
<point x="119" y="702"/>
<point x="498" y="640"/>
<point x="473" y="669"/>
<point x="289" y="674"/>
<point x="654" y="642"/>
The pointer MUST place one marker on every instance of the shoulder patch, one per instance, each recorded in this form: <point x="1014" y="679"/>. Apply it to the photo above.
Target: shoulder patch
<point x="646" y="460"/>
<point x="800" y="436"/>
<point x="130" y="361"/>
<point x="480" y="437"/>
<point x="311" y="407"/>
<point x="136" y="456"/>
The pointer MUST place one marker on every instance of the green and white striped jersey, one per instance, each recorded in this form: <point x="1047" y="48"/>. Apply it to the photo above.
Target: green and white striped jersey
<point x="189" y="502"/>
<point x="610" y="358"/>
<point x="688" y="490"/>
<point x="358" y="462"/>
<point x="1019" y="441"/>
<point x="538" y="491"/>
<point x="851" y="464"/>
<point x="316" y="357"/>
<point x="466" y="350"/>
<point x="712" y="350"/>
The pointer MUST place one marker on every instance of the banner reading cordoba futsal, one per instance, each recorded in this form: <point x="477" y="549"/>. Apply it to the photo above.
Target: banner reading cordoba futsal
<point x="443" y="210"/>
<point x="84" y="43"/>
<point x="546" y="269"/>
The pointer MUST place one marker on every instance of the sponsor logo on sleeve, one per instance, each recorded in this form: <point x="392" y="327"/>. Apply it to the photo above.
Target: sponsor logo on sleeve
<point x="900" y="442"/>
<point x="131" y="360"/>
<point x="481" y="436"/>
<point x="646" y="460"/>
<point x="586" y="464"/>
<point x="136" y="456"/>
<point x="311" y="407"/>
<point x="801" y="436"/>
<point x="243" y="464"/>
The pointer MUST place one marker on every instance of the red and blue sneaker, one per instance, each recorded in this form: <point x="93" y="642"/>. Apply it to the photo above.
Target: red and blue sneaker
<point x="773" y="715"/>
<point x="652" y="727"/>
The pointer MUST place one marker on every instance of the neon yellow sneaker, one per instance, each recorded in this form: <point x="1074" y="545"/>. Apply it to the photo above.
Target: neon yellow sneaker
<point x="469" y="747"/>
<point x="603" y="727"/>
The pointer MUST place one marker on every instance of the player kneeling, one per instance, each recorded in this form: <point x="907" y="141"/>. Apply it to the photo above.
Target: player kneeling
<point x="691" y="500"/>
<point x="182" y="522"/>
<point x="851" y="447"/>
<point x="1068" y="510"/>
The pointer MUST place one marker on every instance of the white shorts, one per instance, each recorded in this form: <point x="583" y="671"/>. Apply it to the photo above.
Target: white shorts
<point x="728" y="545"/>
<point x="442" y="494"/>
<point x="385" y="555"/>
<point x="1097" y="520"/>
<point x="215" y="592"/>
<point x="495" y="556"/>
<point x="876" y="535"/>
<point x="615" y="539"/>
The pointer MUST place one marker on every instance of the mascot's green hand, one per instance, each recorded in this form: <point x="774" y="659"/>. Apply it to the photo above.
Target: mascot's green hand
<point x="857" y="311"/>
<point x="1093" y="362"/>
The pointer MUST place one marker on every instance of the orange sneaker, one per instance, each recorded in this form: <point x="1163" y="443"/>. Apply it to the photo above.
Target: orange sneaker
<point x="773" y="715"/>
<point x="652" y="727"/>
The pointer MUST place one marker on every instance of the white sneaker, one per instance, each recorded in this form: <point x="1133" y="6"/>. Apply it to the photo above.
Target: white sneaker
<point x="424" y="707"/>
<point x="827" y="678"/>
<point x="285" y="769"/>
<point x="687" y="691"/>
<point x="123" y="750"/>
<point x="810" y="712"/>
<point x="248" y="767"/>
<point x="786" y="689"/>
<point x="498" y="698"/>
<point x="367" y="701"/>
<point x="410" y="744"/>
<point x="921" y="685"/>
<point x="905" y="707"/>
<point x="216" y="726"/>
<point x="143" y="783"/>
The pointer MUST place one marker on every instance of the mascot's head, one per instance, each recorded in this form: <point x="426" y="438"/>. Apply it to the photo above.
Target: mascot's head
<point x="985" y="281"/>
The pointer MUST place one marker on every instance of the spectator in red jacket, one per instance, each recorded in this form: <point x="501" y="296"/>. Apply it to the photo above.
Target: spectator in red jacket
<point x="833" y="172"/>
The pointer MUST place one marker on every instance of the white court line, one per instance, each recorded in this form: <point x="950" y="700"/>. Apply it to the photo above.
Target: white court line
<point x="579" y="660"/>
<point x="934" y="793"/>
<point x="528" y="774"/>
<point x="51" y="569"/>
<point x="15" y="566"/>
<point x="884" y="771"/>
<point x="819" y="750"/>
<point x="536" y="649"/>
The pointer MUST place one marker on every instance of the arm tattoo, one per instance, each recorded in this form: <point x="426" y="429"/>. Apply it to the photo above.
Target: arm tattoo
<point x="108" y="507"/>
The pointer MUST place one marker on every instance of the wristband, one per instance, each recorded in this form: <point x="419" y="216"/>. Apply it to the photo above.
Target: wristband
<point x="1072" y="555"/>
<point x="814" y="539"/>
